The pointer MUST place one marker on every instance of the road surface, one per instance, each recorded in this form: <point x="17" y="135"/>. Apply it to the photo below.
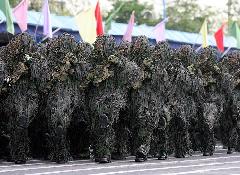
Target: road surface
<point x="218" y="164"/>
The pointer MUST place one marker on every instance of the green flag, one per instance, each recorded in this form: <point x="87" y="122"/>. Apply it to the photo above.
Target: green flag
<point x="5" y="8"/>
<point x="109" y="19"/>
<point x="235" y="32"/>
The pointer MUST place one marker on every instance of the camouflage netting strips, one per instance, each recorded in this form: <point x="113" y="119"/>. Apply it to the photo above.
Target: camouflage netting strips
<point x="62" y="100"/>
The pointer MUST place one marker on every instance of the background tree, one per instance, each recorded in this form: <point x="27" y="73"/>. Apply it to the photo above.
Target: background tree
<point x="187" y="15"/>
<point x="233" y="11"/>
<point x="143" y="12"/>
<point x="56" y="6"/>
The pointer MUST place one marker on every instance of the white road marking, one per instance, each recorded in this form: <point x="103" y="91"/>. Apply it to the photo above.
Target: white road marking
<point x="27" y="164"/>
<point x="75" y="161"/>
<point x="72" y="165"/>
<point x="154" y="169"/>
<point x="202" y="171"/>
<point x="131" y="171"/>
<point x="44" y="167"/>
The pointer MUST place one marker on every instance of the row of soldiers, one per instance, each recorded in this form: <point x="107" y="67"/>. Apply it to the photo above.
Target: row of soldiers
<point x="62" y="100"/>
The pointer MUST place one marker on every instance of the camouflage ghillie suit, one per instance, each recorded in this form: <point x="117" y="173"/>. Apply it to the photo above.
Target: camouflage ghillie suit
<point x="112" y="75"/>
<point x="21" y="102"/>
<point x="184" y="95"/>
<point x="60" y="71"/>
<point x="147" y="102"/>
<point x="230" y="120"/>
<point x="200" y="125"/>
<point x="4" y="133"/>
<point x="121" y="146"/>
<point x="215" y="98"/>
<point x="162" y="54"/>
<point x="79" y="130"/>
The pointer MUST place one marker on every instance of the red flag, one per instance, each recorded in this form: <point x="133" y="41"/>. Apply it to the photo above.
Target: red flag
<point x="219" y="38"/>
<point x="98" y="17"/>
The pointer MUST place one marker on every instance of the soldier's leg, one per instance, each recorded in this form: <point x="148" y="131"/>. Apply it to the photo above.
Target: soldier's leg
<point x="122" y="132"/>
<point x="237" y="148"/>
<point x="19" y="143"/>
<point x="4" y="137"/>
<point x="207" y="138"/>
<point x="103" y="138"/>
<point x="161" y="133"/>
<point x="57" y="142"/>
<point x="143" y="130"/>
<point x="179" y="136"/>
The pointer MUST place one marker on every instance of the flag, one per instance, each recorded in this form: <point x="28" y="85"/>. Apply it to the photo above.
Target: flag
<point x="204" y="32"/>
<point x="20" y="13"/>
<point x="159" y="30"/>
<point x="128" y="34"/>
<point x="98" y="17"/>
<point x="235" y="32"/>
<point x="87" y="25"/>
<point x="47" y="26"/>
<point x="219" y="38"/>
<point x="5" y="8"/>
<point x="112" y="15"/>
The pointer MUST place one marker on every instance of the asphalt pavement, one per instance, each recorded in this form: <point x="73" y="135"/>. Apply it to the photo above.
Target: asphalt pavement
<point x="218" y="164"/>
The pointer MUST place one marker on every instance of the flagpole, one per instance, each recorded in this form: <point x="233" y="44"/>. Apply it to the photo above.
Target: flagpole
<point x="198" y="48"/>
<point x="55" y="31"/>
<point x="164" y="9"/>
<point x="35" y="33"/>
<point x="196" y="40"/>
<point x="226" y="51"/>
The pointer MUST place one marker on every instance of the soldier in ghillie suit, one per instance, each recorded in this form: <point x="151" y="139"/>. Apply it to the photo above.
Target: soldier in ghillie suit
<point x="200" y="123"/>
<point x="182" y="107"/>
<point x="229" y="122"/>
<point x="111" y="77"/>
<point x="215" y="98"/>
<point x="4" y="133"/>
<point x="60" y="71"/>
<point x="21" y="102"/>
<point x="160" y="80"/>
<point x="121" y="146"/>
<point x="147" y="101"/>
<point x="79" y="130"/>
<point x="186" y="98"/>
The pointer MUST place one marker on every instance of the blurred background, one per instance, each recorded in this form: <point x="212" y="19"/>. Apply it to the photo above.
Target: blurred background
<point x="184" y="15"/>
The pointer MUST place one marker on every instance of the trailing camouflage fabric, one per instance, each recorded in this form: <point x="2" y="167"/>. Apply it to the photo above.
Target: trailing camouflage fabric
<point x="21" y="102"/>
<point x="111" y="77"/>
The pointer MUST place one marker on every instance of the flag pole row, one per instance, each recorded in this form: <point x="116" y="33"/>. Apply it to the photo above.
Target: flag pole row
<point x="90" y="25"/>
